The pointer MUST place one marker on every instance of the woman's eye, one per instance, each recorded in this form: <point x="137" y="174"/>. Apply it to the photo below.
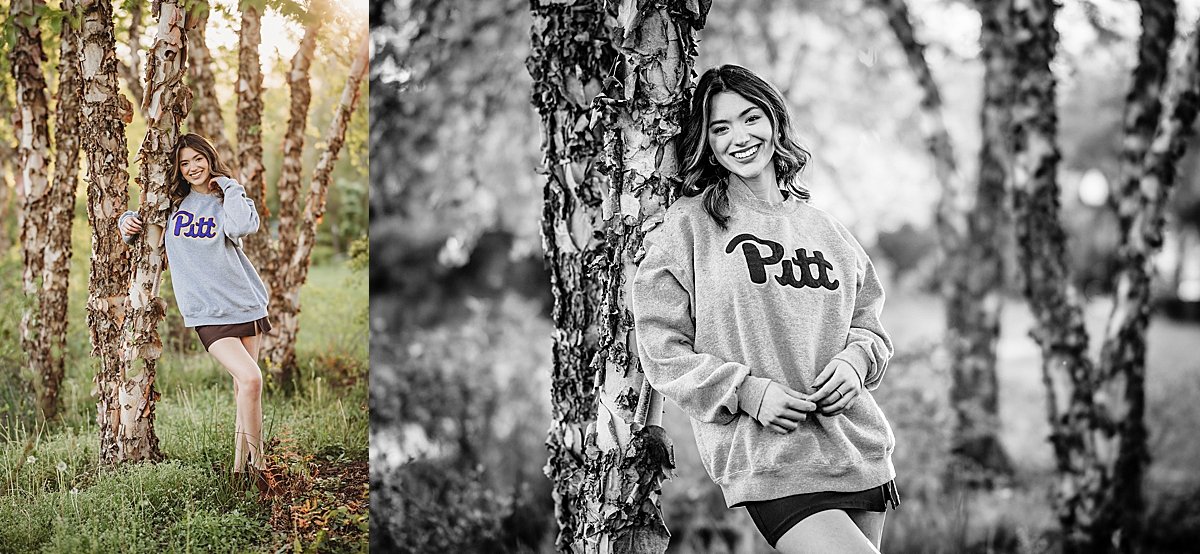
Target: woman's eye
<point x="753" y="118"/>
<point x="719" y="130"/>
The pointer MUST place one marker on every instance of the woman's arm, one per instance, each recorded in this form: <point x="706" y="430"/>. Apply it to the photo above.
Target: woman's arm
<point x="705" y="387"/>
<point x="241" y="218"/>
<point x="129" y="228"/>
<point x="868" y="346"/>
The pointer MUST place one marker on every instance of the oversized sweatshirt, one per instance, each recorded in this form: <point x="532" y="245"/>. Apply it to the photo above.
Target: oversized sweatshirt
<point x="213" y="280"/>
<point x="720" y="314"/>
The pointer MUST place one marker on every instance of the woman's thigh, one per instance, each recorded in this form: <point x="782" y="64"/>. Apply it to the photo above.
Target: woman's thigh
<point x="827" y="532"/>
<point x="870" y="523"/>
<point x="252" y="344"/>
<point x="231" y="353"/>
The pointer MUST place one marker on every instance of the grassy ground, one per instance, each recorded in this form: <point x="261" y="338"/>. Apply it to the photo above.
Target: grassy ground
<point x="55" y="498"/>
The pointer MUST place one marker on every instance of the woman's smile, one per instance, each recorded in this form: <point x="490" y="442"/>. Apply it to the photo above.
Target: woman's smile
<point x="745" y="154"/>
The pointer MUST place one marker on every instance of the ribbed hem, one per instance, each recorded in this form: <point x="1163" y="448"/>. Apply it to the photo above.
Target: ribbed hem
<point x="787" y="480"/>
<point x="252" y="314"/>
<point x="741" y="195"/>
<point x="858" y="359"/>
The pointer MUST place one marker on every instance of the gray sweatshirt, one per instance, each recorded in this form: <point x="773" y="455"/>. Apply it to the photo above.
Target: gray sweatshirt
<point x="213" y="280"/>
<point x="720" y="314"/>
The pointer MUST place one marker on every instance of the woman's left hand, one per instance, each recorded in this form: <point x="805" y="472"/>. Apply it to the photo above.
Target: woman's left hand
<point x="837" y="387"/>
<point x="215" y="188"/>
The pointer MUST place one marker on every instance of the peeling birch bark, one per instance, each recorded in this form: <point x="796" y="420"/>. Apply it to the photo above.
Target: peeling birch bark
<point x="205" y="118"/>
<point x="104" y="114"/>
<point x="571" y="56"/>
<point x="281" y="349"/>
<point x="249" y="131"/>
<point x="288" y="185"/>
<point x="166" y="104"/>
<point x="30" y="119"/>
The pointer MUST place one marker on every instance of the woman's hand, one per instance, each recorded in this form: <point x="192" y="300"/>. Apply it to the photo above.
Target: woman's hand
<point x="130" y="226"/>
<point x="837" y="387"/>
<point x="783" y="409"/>
<point x="215" y="188"/>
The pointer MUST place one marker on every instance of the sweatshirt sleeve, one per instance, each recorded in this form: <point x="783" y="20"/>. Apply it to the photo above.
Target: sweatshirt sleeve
<point x="241" y="218"/>
<point x="128" y="239"/>
<point x="868" y="346"/>
<point x="706" y="388"/>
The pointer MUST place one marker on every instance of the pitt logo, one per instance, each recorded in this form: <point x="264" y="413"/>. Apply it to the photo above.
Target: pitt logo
<point x="757" y="264"/>
<point x="191" y="226"/>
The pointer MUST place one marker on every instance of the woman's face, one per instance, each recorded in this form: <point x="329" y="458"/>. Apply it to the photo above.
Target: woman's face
<point x="193" y="166"/>
<point x="740" y="135"/>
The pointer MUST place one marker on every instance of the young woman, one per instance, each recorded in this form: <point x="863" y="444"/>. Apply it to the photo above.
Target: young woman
<point x="758" y="315"/>
<point x="218" y="292"/>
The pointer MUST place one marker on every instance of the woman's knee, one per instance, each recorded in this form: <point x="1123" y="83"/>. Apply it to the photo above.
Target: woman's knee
<point x="250" y="381"/>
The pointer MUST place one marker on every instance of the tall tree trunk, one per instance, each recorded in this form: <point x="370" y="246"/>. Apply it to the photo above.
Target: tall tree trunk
<point x="970" y="225"/>
<point x="632" y="455"/>
<point x="8" y="185"/>
<point x="281" y="348"/>
<point x="249" y="129"/>
<point x="289" y="178"/>
<point x="1146" y="179"/>
<point x="105" y="112"/>
<point x="61" y="214"/>
<point x="132" y="71"/>
<point x="30" y="122"/>
<point x="166" y="103"/>
<point x="205" y="118"/>
<point x="572" y="53"/>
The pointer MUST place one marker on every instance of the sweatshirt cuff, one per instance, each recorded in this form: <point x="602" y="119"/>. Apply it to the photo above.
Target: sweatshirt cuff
<point x="857" y="358"/>
<point x="225" y="182"/>
<point x="750" y="394"/>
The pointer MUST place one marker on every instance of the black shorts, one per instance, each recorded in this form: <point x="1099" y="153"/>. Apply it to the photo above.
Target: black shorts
<point x="212" y="333"/>
<point x="776" y="517"/>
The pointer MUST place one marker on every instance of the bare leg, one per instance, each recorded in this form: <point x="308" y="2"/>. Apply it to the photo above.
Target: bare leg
<point x="232" y="354"/>
<point x="870" y="523"/>
<point x="827" y="532"/>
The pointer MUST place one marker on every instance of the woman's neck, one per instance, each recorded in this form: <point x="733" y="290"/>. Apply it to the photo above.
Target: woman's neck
<point x="765" y="186"/>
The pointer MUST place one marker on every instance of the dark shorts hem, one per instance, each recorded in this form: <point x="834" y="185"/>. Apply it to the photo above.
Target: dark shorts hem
<point x="774" y="518"/>
<point x="212" y="333"/>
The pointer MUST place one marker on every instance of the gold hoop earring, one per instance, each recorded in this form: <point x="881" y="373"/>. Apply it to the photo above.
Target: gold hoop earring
<point x="712" y="159"/>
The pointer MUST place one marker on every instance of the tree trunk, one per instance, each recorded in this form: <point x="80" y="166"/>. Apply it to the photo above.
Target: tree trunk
<point x="8" y="185"/>
<point x="31" y="125"/>
<point x="105" y="112"/>
<point x="61" y="207"/>
<point x="249" y="131"/>
<point x="166" y="103"/>
<point x="572" y="53"/>
<point x="206" y="116"/>
<point x="1151" y="150"/>
<point x="629" y="455"/>
<point x="289" y="181"/>
<point x="132" y="71"/>
<point x="970" y="225"/>
<point x="281" y="348"/>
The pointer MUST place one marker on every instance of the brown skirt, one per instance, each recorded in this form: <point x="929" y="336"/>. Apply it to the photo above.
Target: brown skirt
<point x="212" y="333"/>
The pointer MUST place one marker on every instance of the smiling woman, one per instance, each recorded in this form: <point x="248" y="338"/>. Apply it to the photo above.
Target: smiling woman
<point x="779" y="392"/>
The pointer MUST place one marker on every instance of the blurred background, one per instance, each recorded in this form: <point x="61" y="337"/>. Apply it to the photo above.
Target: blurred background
<point x="461" y="337"/>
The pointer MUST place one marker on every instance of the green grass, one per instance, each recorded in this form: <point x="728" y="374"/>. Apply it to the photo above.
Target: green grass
<point x="54" y="497"/>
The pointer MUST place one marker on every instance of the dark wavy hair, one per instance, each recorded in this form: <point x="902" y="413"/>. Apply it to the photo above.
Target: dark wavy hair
<point x="179" y="186"/>
<point x="701" y="172"/>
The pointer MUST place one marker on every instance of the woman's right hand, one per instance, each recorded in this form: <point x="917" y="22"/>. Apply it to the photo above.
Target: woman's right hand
<point x="783" y="409"/>
<point x="130" y="226"/>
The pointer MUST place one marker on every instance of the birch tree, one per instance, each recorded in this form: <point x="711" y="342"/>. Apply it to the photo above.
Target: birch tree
<point x="30" y="120"/>
<point x="249" y="128"/>
<point x="104" y="114"/>
<point x="1098" y="434"/>
<point x="289" y="182"/>
<point x="205" y="118"/>
<point x="972" y="220"/>
<point x="626" y="454"/>
<point x="572" y="53"/>
<point x="292" y="271"/>
<point x="166" y="103"/>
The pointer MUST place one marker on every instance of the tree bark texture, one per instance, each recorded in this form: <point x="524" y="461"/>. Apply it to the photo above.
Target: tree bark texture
<point x="573" y="52"/>
<point x="52" y="300"/>
<point x="249" y="130"/>
<point x="8" y="184"/>
<point x="166" y="104"/>
<point x="289" y="177"/>
<point x="632" y="456"/>
<point x="1145" y="180"/>
<point x="281" y="348"/>
<point x="970" y="224"/>
<point x="132" y="71"/>
<point x="30" y="120"/>
<point x="105" y="112"/>
<point x="205" y="118"/>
